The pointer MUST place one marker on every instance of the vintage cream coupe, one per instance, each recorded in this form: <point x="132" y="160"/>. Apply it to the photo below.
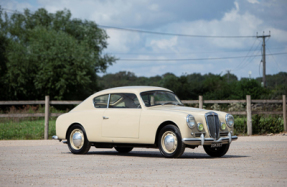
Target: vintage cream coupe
<point x="144" y="116"/>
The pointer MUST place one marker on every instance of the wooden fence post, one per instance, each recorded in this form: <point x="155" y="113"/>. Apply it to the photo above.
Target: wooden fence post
<point x="47" y="107"/>
<point x="200" y="99"/>
<point x="249" y="115"/>
<point x="284" y="112"/>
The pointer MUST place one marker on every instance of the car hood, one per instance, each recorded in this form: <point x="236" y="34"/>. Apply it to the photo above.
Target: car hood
<point x="184" y="109"/>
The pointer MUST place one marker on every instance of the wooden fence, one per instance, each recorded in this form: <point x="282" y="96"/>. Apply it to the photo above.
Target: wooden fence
<point x="248" y="112"/>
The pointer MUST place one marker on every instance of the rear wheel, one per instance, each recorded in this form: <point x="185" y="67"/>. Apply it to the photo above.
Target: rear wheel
<point x="170" y="142"/>
<point x="77" y="140"/>
<point x="124" y="149"/>
<point x="216" y="152"/>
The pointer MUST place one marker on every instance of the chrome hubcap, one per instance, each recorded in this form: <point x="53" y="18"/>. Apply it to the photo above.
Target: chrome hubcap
<point x="169" y="142"/>
<point x="77" y="139"/>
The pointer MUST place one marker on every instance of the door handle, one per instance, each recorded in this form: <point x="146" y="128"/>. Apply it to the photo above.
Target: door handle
<point x="104" y="117"/>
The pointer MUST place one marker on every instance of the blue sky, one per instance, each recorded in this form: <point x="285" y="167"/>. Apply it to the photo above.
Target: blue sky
<point x="191" y="17"/>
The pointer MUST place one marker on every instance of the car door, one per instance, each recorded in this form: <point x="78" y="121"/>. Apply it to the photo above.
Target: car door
<point x="121" y="119"/>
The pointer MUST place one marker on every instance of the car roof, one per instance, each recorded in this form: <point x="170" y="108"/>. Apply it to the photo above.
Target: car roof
<point x="131" y="89"/>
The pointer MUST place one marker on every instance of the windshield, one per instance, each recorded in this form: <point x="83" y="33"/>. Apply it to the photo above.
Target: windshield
<point x="153" y="98"/>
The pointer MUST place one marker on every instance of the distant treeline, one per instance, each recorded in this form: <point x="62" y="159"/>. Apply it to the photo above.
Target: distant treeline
<point x="211" y="86"/>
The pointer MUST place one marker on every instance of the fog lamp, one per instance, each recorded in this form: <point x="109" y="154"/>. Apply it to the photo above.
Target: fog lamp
<point x="223" y="126"/>
<point x="200" y="126"/>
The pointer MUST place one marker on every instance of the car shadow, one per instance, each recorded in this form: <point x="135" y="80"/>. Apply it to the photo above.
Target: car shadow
<point x="155" y="154"/>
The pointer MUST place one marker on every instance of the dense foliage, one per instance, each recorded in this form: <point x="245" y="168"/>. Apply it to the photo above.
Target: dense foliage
<point x="261" y="124"/>
<point x="211" y="86"/>
<point x="50" y="54"/>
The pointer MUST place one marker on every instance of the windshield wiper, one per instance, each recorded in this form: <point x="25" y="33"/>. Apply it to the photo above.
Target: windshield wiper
<point x="167" y="103"/>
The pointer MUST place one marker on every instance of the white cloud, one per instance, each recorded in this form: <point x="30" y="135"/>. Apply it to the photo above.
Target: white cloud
<point x="163" y="44"/>
<point x="15" y="5"/>
<point x="253" y="1"/>
<point x="121" y="41"/>
<point x="241" y="18"/>
<point x="278" y="34"/>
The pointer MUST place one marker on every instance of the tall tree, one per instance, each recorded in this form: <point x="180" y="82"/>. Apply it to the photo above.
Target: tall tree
<point x="52" y="54"/>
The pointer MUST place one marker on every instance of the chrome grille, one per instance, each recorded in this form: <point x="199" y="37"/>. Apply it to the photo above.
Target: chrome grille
<point x="213" y="124"/>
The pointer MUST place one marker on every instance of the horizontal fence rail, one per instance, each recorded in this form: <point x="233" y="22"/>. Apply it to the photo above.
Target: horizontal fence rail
<point x="28" y="115"/>
<point x="230" y="101"/>
<point x="200" y="102"/>
<point x="40" y="102"/>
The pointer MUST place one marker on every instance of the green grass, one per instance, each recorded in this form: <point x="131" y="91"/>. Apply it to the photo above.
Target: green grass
<point x="26" y="129"/>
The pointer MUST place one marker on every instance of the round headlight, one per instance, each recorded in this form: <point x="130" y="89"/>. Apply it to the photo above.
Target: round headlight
<point x="200" y="126"/>
<point x="223" y="126"/>
<point x="229" y="120"/>
<point x="190" y="121"/>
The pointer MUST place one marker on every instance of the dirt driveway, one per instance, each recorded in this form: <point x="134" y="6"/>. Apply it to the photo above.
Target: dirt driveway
<point x="251" y="161"/>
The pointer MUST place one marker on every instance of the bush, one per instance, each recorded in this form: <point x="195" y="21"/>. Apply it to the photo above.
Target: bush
<point x="260" y="124"/>
<point x="270" y="124"/>
<point x="240" y="125"/>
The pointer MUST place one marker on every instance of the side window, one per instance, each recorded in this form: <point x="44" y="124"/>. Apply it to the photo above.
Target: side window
<point x="101" y="101"/>
<point x="146" y="99"/>
<point x="124" y="100"/>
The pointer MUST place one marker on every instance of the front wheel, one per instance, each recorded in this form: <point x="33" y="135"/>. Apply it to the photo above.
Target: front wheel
<point x="170" y="142"/>
<point x="216" y="152"/>
<point x="77" y="140"/>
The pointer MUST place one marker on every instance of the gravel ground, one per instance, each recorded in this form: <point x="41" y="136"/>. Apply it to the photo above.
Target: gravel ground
<point x="250" y="161"/>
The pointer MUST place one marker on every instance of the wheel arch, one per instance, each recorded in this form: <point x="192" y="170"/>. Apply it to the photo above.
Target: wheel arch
<point x="76" y="123"/>
<point x="163" y="124"/>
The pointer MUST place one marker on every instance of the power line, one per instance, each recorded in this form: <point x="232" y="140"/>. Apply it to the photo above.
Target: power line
<point x="246" y="54"/>
<point x="172" y="34"/>
<point x="273" y="58"/>
<point x="194" y="52"/>
<point x="251" y="58"/>
<point x="154" y="32"/>
<point x="192" y="59"/>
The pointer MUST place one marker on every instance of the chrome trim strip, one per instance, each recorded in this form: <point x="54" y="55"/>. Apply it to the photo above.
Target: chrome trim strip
<point x="108" y="101"/>
<point x="208" y="141"/>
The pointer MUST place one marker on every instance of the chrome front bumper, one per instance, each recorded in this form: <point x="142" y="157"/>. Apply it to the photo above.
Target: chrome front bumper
<point x="209" y="141"/>
<point x="55" y="137"/>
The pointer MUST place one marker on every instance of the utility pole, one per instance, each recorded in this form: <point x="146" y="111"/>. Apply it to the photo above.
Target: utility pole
<point x="263" y="56"/>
